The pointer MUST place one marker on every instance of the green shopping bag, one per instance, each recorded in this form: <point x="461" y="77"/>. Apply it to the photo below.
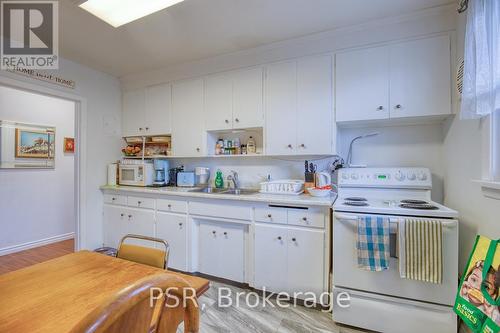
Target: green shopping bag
<point x="478" y="297"/>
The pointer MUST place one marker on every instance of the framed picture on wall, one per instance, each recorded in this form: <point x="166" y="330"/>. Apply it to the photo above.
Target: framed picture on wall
<point x="34" y="144"/>
<point x="69" y="145"/>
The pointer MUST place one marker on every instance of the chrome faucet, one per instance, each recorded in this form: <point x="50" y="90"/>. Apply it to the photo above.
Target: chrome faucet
<point x="234" y="178"/>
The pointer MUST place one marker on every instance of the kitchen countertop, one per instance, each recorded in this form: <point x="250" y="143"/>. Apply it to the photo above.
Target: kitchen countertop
<point x="303" y="199"/>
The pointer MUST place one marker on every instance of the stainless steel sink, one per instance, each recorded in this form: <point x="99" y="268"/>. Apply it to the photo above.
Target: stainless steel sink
<point x="242" y="191"/>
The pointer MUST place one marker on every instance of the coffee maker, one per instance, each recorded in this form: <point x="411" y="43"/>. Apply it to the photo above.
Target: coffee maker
<point x="161" y="175"/>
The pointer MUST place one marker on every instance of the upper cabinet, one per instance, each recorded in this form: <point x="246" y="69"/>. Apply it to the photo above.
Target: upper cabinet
<point x="147" y="111"/>
<point x="299" y="111"/>
<point x="410" y="79"/>
<point x="233" y="100"/>
<point x="188" y="132"/>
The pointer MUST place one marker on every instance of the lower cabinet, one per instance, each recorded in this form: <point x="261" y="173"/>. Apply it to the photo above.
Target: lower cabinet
<point x="121" y="221"/>
<point x="173" y="229"/>
<point x="222" y="250"/>
<point x="289" y="259"/>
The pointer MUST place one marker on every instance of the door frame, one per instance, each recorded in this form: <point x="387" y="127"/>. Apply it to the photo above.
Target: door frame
<point x="80" y="189"/>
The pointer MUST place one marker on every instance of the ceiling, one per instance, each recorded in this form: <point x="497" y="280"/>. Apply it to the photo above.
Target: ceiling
<point x="197" y="29"/>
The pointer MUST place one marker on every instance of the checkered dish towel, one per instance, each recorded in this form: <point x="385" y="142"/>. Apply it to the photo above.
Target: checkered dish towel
<point x="373" y="243"/>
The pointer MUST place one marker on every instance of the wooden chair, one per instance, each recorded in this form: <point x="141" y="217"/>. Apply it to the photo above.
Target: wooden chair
<point x="144" y="255"/>
<point x="130" y="311"/>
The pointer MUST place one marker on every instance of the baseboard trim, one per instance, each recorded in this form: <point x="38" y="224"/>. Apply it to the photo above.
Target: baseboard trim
<point x="41" y="242"/>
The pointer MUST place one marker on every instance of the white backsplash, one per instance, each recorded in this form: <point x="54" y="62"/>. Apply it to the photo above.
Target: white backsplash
<point x="253" y="170"/>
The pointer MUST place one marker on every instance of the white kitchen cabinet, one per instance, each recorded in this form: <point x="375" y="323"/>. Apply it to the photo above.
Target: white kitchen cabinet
<point x="270" y="257"/>
<point x="362" y="84"/>
<point x="234" y="100"/>
<point x="147" y="111"/>
<point x="222" y="250"/>
<point x="140" y="222"/>
<point x="404" y="80"/>
<point x="420" y="78"/>
<point x="134" y="107"/>
<point x="188" y="132"/>
<point x="115" y="225"/>
<point x="248" y="100"/>
<point x="305" y="261"/>
<point x="299" y="111"/>
<point x="173" y="229"/>
<point x="158" y="110"/>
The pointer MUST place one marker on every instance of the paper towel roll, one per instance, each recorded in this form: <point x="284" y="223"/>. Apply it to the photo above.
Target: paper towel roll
<point x="112" y="173"/>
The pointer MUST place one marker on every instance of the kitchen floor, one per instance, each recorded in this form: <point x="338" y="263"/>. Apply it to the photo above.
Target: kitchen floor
<point x="243" y="319"/>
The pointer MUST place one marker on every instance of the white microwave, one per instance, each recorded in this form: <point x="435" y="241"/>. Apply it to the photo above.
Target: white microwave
<point x="141" y="174"/>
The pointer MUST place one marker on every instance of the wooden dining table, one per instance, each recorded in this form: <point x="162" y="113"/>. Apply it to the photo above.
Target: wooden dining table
<point x="55" y="295"/>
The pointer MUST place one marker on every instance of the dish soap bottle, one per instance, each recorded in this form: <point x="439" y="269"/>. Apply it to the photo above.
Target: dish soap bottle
<point x="251" y="149"/>
<point x="219" y="179"/>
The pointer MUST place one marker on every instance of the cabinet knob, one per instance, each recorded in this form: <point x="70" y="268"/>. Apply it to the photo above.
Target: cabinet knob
<point x="380" y="108"/>
<point x="113" y="199"/>
<point x="289" y="146"/>
<point x="140" y="128"/>
<point x="139" y="203"/>
<point x="302" y="145"/>
<point x="180" y="224"/>
<point x="122" y="215"/>
<point x="226" y="121"/>
<point x="237" y="120"/>
<point x="147" y="128"/>
<point x="130" y="216"/>
<point x="214" y="232"/>
<point x="169" y="206"/>
<point x="198" y="149"/>
<point x="294" y="239"/>
<point x="269" y="215"/>
<point x="399" y="106"/>
<point x="279" y="238"/>
<point x="225" y="233"/>
<point x="304" y="219"/>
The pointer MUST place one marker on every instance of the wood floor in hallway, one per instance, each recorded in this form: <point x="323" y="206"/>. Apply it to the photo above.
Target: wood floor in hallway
<point x="18" y="260"/>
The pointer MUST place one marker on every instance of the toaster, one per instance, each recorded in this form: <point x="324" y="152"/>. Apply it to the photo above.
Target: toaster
<point x="186" y="179"/>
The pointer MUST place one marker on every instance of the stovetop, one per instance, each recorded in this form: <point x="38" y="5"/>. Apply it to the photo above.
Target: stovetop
<point x="393" y="206"/>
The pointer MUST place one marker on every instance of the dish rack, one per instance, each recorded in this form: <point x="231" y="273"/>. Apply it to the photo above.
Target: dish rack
<point x="285" y="186"/>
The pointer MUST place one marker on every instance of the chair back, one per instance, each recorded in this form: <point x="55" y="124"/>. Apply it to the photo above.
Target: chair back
<point x="144" y="255"/>
<point x="130" y="310"/>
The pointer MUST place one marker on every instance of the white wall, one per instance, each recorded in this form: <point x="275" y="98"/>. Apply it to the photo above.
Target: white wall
<point x="37" y="204"/>
<point x="465" y="158"/>
<point x="103" y="95"/>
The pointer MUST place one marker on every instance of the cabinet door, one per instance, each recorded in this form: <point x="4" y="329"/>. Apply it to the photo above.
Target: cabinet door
<point x="232" y="252"/>
<point x="421" y="78"/>
<point x="247" y="99"/>
<point x="219" y="102"/>
<point x="314" y="106"/>
<point x="158" y="110"/>
<point x="281" y="108"/>
<point x="173" y="229"/>
<point x="115" y="225"/>
<point x="187" y="119"/>
<point x="270" y="258"/>
<point x="140" y="222"/>
<point x="209" y="250"/>
<point x="362" y="84"/>
<point x="306" y="260"/>
<point x="134" y="107"/>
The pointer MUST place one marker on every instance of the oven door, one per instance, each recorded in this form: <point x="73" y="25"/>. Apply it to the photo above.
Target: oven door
<point x="346" y="273"/>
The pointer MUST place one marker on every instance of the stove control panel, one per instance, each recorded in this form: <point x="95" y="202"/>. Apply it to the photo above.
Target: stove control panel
<point x="386" y="177"/>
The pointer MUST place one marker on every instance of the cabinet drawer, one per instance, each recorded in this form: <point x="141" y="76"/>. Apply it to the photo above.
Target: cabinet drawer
<point x="271" y="215"/>
<point x="307" y="217"/>
<point x="227" y="210"/>
<point x="141" y="202"/>
<point x="115" y="199"/>
<point x="173" y="206"/>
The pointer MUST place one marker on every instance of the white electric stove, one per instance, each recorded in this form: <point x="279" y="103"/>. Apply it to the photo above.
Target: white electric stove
<point x="383" y="301"/>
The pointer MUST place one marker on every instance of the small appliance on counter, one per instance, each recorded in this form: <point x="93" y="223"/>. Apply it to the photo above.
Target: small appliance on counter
<point x="161" y="176"/>
<point x="186" y="179"/>
<point x="172" y="175"/>
<point x="136" y="173"/>
<point x="202" y="175"/>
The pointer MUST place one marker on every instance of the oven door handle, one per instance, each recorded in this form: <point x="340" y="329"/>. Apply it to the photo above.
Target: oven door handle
<point x="346" y="217"/>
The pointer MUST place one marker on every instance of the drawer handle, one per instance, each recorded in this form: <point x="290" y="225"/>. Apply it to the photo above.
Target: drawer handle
<point x="269" y="215"/>
<point x="280" y="238"/>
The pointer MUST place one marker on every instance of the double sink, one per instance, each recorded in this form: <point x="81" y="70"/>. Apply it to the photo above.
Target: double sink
<point x="234" y="191"/>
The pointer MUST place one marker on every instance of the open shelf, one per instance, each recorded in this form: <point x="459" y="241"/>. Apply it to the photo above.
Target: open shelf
<point x="242" y="135"/>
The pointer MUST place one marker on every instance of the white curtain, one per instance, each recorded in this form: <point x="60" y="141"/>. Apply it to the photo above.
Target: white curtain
<point x="481" y="90"/>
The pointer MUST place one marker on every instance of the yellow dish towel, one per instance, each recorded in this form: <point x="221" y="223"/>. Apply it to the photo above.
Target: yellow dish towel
<point x="423" y="247"/>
